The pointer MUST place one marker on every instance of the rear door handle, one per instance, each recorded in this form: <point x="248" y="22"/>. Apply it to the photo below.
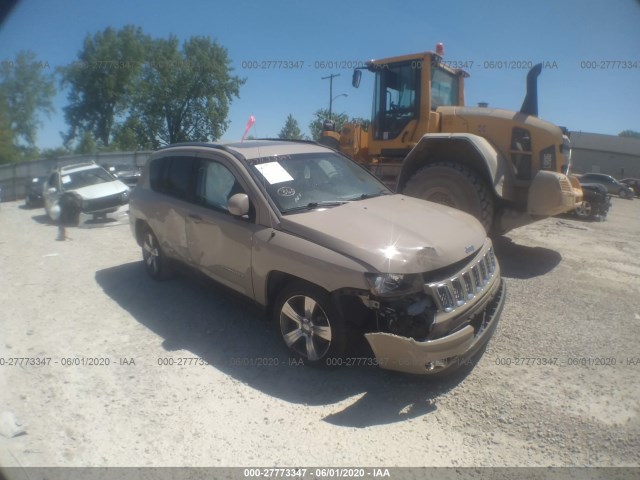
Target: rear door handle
<point x="195" y="218"/>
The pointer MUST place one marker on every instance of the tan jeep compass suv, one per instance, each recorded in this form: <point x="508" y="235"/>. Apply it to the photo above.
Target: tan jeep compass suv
<point x="328" y="250"/>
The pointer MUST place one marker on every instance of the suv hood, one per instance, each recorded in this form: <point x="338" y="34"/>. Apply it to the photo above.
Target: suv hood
<point x="392" y="233"/>
<point x="100" y="190"/>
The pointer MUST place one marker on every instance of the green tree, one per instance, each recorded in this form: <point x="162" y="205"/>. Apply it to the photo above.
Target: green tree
<point x="320" y="116"/>
<point x="87" y="144"/>
<point x="8" y="151"/>
<point x="184" y="94"/>
<point x="26" y="91"/>
<point x="291" y="130"/>
<point x="629" y="133"/>
<point x="132" y="135"/>
<point x="101" y="81"/>
<point x="52" y="153"/>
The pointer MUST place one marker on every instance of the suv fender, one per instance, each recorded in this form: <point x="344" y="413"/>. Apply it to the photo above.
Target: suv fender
<point x="322" y="267"/>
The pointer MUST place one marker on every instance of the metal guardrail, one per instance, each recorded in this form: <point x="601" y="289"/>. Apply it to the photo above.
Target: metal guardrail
<point x="15" y="176"/>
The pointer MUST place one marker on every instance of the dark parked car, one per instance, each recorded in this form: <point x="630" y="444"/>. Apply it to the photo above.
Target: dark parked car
<point x="596" y="202"/>
<point x="613" y="186"/>
<point x="633" y="184"/>
<point x="33" y="192"/>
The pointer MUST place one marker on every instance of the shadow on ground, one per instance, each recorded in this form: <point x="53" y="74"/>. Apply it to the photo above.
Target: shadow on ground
<point x="86" y="221"/>
<point x="587" y="220"/>
<point x="42" y="219"/>
<point x="521" y="261"/>
<point x="231" y="334"/>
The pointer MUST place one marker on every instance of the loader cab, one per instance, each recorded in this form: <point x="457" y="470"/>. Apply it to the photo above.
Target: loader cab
<point x="396" y="100"/>
<point x="402" y="112"/>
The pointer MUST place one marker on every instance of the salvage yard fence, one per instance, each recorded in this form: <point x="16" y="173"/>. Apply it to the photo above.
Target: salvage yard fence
<point x="14" y="177"/>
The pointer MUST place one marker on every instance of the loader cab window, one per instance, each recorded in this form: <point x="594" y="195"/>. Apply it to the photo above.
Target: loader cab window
<point x="444" y="88"/>
<point x="396" y="100"/>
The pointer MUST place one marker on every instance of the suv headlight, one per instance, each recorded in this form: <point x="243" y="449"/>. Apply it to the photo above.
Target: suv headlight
<point x="393" y="284"/>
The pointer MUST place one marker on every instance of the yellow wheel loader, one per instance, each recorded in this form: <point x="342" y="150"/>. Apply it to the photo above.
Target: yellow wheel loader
<point x="506" y="168"/>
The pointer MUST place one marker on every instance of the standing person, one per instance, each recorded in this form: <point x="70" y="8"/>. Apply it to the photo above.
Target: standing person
<point x="70" y="208"/>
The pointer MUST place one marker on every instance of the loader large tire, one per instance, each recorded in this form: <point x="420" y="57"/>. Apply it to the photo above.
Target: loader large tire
<point x="454" y="185"/>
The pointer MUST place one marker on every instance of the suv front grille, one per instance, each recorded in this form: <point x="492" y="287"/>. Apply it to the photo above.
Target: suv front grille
<point x="112" y="201"/>
<point x="467" y="284"/>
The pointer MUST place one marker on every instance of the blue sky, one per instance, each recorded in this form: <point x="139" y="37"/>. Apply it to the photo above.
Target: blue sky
<point x="564" y="33"/>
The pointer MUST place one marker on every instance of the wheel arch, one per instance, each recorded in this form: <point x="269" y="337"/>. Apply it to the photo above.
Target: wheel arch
<point x="140" y="227"/>
<point x="348" y="305"/>
<point x="473" y="151"/>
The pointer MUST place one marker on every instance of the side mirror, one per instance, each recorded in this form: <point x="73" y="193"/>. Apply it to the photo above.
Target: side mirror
<point x="238" y="204"/>
<point x="355" y="81"/>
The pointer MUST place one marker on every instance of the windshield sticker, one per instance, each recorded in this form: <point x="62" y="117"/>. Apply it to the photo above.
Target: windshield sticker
<point x="273" y="172"/>
<point x="286" y="192"/>
<point x="66" y="179"/>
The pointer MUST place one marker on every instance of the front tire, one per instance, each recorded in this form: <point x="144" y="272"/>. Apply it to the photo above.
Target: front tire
<point x="155" y="261"/>
<point x="310" y="325"/>
<point x="456" y="186"/>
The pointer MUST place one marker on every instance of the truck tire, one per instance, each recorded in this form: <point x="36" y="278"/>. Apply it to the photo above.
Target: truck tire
<point x="454" y="185"/>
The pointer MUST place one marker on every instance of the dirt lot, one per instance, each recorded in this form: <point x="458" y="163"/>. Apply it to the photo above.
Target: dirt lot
<point x="573" y="290"/>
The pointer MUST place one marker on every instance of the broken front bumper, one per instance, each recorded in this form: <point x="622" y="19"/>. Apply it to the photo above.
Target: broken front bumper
<point x="404" y="354"/>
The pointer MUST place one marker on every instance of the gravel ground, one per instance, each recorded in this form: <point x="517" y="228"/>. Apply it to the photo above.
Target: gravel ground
<point x="572" y="311"/>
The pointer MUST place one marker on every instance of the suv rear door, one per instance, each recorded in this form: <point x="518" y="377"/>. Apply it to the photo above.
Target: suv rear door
<point x="172" y="179"/>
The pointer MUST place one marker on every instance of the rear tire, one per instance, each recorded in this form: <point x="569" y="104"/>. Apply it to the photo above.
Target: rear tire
<point x="456" y="186"/>
<point x="155" y="261"/>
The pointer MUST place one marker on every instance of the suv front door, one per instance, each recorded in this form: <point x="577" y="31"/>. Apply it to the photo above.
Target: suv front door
<point x="219" y="243"/>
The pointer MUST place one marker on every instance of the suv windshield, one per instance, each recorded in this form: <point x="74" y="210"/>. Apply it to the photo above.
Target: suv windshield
<point x="84" y="178"/>
<point x="311" y="180"/>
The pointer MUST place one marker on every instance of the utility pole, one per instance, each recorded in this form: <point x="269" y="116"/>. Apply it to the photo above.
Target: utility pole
<point x="330" y="77"/>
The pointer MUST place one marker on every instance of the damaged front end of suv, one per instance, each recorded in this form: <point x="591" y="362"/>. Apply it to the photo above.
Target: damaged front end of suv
<point x="435" y="321"/>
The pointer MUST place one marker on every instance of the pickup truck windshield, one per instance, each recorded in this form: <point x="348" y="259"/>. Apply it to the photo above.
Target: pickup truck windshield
<point x="84" y="178"/>
<point x="314" y="180"/>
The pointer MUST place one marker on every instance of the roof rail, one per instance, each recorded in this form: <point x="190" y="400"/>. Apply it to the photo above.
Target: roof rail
<point x="296" y="140"/>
